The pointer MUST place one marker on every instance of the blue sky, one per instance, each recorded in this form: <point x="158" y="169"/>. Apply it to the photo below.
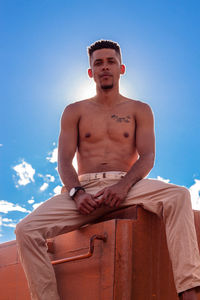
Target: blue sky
<point x="44" y="67"/>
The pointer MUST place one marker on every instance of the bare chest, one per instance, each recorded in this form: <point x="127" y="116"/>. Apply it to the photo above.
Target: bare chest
<point x="117" y="125"/>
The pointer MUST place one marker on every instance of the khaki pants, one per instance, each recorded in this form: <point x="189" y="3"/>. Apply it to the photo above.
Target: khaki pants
<point x="59" y="215"/>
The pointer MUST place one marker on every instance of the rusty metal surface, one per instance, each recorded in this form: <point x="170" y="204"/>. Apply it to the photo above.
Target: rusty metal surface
<point x="132" y="265"/>
<point x="95" y="275"/>
<point x="13" y="284"/>
<point x="83" y="256"/>
<point x="123" y="260"/>
<point x="123" y="213"/>
<point x="152" y="271"/>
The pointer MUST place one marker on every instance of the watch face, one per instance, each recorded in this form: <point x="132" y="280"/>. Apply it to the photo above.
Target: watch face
<point x="72" y="192"/>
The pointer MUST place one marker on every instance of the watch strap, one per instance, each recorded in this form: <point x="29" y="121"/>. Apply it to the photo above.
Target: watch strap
<point x="77" y="188"/>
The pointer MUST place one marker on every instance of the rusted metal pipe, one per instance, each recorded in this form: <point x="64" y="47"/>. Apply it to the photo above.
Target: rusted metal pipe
<point x="83" y="256"/>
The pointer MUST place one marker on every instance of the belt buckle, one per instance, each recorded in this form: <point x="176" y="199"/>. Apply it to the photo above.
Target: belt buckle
<point x="122" y="174"/>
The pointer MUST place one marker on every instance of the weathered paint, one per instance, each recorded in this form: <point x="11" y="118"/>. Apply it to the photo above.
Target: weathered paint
<point x="133" y="264"/>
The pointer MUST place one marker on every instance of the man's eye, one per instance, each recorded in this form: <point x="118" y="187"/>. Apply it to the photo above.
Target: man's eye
<point x="97" y="63"/>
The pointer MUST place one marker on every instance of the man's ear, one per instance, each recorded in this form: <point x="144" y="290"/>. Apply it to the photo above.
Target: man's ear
<point x="90" y="73"/>
<point x="122" y="69"/>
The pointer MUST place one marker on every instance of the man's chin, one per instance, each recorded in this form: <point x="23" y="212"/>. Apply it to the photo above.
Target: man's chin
<point x="107" y="87"/>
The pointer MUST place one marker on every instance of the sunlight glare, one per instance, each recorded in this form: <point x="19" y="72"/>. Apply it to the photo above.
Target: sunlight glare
<point x="87" y="89"/>
<point x="74" y="163"/>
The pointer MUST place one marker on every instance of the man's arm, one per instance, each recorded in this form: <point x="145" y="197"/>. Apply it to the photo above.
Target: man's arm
<point x="67" y="145"/>
<point x="145" y="145"/>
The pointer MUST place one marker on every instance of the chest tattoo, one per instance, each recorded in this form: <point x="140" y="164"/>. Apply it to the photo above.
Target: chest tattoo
<point x="126" y="119"/>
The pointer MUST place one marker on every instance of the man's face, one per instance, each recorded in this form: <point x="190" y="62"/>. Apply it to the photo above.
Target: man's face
<point x="105" y="68"/>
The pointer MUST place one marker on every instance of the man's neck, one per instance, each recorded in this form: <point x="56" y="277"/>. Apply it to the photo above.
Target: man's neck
<point x="108" y="98"/>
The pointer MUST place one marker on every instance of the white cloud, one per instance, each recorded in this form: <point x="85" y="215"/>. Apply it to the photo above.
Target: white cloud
<point x="162" y="179"/>
<point x="195" y="194"/>
<point x="7" y="223"/>
<point x="44" y="187"/>
<point x="53" y="158"/>
<point x="6" y="220"/>
<point x="47" y="177"/>
<point x="25" y="173"/>
<point x="50" y="178"/>
<point x="31" y="200"/>
<point x="13" y="225"/>
<point x="57" y="190"/>
<point x="36" y="205"/>
<point x="1" y="145"/>
<point x="6" y="207"/>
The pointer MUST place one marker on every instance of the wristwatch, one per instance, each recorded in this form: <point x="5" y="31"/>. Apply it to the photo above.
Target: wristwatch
<point x="74" y="190"/>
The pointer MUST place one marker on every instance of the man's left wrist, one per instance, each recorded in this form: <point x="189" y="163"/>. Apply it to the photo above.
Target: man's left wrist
<point x="74" y="191"/>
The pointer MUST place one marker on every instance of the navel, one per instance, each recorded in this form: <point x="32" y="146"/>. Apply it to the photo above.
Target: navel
<point x="87" y="135"/>
<point x="126" y="134"/>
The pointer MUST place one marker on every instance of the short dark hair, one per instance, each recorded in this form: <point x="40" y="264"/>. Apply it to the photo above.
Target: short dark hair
<point x="102" y="44"/>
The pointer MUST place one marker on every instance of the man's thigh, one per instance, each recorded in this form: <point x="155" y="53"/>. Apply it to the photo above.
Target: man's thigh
<point x="151" y="194"/>
<point x="58" y="215"/>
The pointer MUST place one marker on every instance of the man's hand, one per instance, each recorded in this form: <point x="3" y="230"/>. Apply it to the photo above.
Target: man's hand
<point x="85" y="202"/>
<point x="112" y="196"/>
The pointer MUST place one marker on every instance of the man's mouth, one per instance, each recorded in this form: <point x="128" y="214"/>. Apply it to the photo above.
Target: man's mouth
<point x="105" y="75"/>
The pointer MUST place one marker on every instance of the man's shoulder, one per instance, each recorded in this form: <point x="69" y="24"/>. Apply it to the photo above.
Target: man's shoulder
<point x="73" y="112"/>
<point x="81" y="106"/>
<point x="77" y="105"/>
<point x="137" y="104"/>
<point x="75" y="108"/>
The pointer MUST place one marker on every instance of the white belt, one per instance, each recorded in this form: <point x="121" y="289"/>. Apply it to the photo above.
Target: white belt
<point x="101" y="175"/>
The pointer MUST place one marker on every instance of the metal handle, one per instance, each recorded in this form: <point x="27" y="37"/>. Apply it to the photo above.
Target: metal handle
<point x="89" y="254"/>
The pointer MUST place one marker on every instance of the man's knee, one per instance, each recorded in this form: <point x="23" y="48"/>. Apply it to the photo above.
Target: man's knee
<point x="26" y="235"/>
<point x="22" y="229"/>
<point x="184" y="194"/>
<point x="181" y="198"/>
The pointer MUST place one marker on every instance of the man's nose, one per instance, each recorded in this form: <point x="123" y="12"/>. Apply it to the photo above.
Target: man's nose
<point x="105" y="66"/>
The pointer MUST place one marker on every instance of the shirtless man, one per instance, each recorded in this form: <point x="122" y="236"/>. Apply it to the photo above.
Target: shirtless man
<point x="115" y="144"/>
